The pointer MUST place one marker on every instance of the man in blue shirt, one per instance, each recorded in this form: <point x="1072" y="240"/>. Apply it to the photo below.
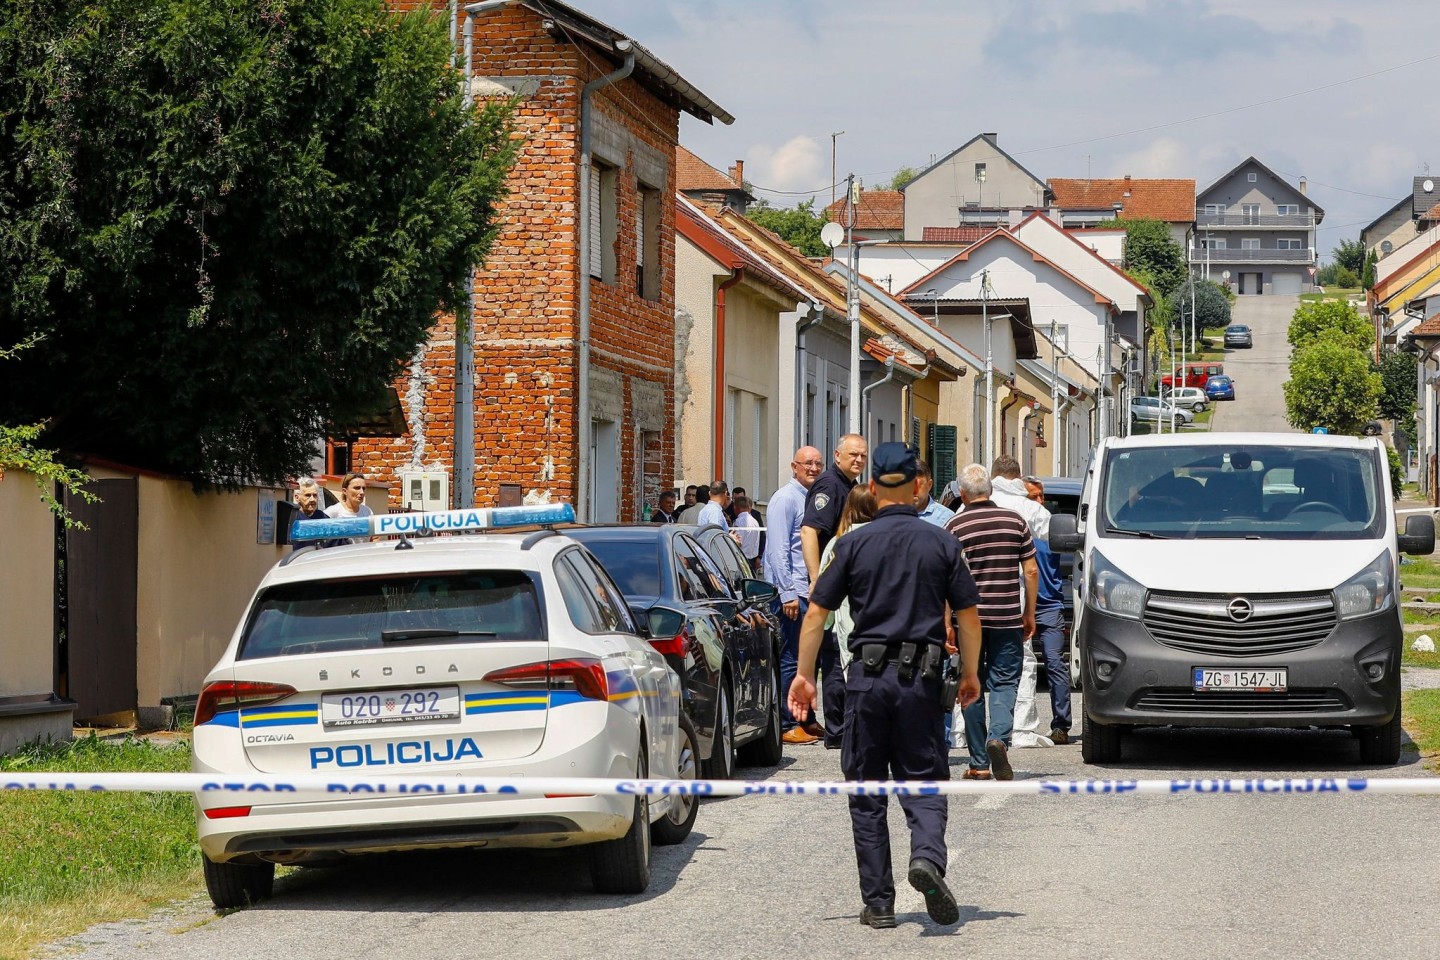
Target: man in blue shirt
<point x="785" y="568"/>
<point x="930" y="510"/>
<point x="714" y="509"/>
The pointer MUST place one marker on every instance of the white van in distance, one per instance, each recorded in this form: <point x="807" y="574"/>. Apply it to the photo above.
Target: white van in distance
<point x="1239" y="580"/>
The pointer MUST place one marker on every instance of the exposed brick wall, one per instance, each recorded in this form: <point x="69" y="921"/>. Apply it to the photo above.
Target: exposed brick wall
<point x="526" y="296"/>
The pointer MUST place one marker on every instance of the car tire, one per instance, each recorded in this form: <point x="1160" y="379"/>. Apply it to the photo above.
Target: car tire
<point x="623" y="865"/>
<point x="232" y="885"/>
<point x="767" y="750"/>
<point x="721" y="765"/>
<point x="1099" y="743"/>
<point x="675" y="826"/>
<point x="1380" y="746"/>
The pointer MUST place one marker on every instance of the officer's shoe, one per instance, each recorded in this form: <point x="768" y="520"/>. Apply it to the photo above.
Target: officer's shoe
<point x="939" y="901"/>
<point x="880" y="918"/>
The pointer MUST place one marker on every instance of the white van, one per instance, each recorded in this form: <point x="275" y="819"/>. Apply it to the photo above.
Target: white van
<point x="1239" y="580"/>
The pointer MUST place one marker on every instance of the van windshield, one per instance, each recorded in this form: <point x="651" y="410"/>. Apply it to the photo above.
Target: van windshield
<point x="1271" y="492"/>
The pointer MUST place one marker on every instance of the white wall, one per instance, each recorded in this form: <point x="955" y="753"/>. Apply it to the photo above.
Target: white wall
<point x="902" y="263"/>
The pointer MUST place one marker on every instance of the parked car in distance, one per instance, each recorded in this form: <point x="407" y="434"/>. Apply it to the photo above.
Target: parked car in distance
<point x="1238" y="335"/>
<point x="1187" y="398"/>
<point x="1192" y="374"/>
<point x="1220" y="388"/>
<point x="1158" y="411"/>
<point x="728" y="654"/>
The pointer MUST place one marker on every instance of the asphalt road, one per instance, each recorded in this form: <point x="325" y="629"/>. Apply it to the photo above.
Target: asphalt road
<point x="1261" y="371"/>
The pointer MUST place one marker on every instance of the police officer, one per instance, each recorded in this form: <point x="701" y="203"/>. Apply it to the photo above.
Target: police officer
<point x="824" y="503"/>
<point x="900" y="574"/>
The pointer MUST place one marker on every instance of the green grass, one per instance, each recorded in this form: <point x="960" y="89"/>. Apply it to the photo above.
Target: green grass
<point x="70" y="860"/>
<point x="1410" y="658"/>
<point x="1331" y="293"/>
<point x="1421" y="710"/>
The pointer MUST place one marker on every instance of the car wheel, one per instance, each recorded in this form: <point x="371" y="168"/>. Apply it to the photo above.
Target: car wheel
<point x="767" y="750"/>
<point x="721" y="765"/>
<point x="623" y="865"/>
<point x="1200" y="408"/>
<point x="675" y="826"/>
<point x="233" y="885"/>
<point x="1099" y="743"/>
<point x="1380" y="746"/>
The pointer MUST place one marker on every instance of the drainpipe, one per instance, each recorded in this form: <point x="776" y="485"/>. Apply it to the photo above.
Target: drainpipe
<point x="1010" y="401"/>
<point x="582" y="385"/>
<point x="814" y="315"/>
<point x="737" y="274"/>
<point x="865" y="393"/>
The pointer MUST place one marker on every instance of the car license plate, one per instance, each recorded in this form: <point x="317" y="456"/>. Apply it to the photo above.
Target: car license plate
<point x="370" y="707"/>
<point x="1252" y="681"/>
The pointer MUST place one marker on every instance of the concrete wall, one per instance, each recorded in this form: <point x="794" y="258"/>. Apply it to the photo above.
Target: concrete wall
<point x="695" y="279"/>
<point x="935" y="198"/>
<point x="752" y="369"/>
<point x="27" y="588"/>
<point x="1395" y="227"/>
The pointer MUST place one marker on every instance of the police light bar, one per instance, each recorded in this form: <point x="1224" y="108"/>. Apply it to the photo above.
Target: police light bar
<point x="411" y="524"/>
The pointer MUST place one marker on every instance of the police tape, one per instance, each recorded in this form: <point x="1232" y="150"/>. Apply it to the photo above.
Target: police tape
<point x="532" y="787"/>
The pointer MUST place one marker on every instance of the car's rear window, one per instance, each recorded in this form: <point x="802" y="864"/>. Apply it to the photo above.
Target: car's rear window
<point x="634" y="565"/>
<point x="322" y="616"/>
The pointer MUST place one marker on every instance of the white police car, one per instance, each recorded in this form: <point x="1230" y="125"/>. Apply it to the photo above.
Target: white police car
<point x="497" y="654"/>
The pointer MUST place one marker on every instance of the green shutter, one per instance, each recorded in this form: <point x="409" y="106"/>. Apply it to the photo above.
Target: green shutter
<point x="943" y="444"/>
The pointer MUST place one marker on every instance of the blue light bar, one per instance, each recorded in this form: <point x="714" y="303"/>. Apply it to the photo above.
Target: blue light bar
<point x="403" y="524"/>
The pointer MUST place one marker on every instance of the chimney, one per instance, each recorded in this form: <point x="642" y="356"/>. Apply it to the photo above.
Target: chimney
<point x="737" y="173"/>
<point x="1303" y="187"/>
<point x="992" y="137"/>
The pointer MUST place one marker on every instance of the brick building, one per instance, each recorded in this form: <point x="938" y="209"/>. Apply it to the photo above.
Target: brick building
<point x="574" y="309"/>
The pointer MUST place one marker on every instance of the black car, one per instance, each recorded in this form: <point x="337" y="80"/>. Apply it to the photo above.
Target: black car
<point x="729" y="651"/>
<point x="1062" y="495"/>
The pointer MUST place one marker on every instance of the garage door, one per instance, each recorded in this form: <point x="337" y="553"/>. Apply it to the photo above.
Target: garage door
<point x="1285" y="283"/>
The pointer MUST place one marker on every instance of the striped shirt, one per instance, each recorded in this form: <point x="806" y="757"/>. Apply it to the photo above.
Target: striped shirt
<point x="995" y="541"/>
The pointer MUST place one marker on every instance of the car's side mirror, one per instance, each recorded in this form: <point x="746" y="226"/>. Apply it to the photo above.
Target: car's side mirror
<point x="1065" y="536"/>
<point x="1419" y="535"/>
<point x="758" y="591"/>
<point x="664" y="622"/>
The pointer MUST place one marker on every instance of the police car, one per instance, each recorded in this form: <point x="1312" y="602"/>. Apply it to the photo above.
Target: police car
<point x="495" y="654"/>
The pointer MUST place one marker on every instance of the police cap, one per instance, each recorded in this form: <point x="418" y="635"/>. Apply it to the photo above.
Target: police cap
<point x="892" y="459"/>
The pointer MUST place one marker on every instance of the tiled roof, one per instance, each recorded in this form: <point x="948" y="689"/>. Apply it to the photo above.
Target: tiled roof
<point x="877" y="210"/>
<point x="954" y="234"/>
<point x="1430" y="328"/>
<point x="1170" y="200"/>
<point x="692" y="174"/>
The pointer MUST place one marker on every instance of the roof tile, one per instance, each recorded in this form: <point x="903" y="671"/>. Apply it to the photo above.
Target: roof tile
<point x="955" y="234"/>
<point x="1170" y="200"/>
<point x="692" y="173"/>
<point x="877" y="210"/>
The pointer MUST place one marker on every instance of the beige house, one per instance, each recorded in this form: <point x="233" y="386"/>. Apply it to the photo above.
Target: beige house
<point x="976" y="184"/>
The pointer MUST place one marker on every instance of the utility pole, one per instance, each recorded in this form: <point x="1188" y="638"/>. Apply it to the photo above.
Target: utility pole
<point x="833" y="181"/>
<point x="852" y="300"/>
<point x="989" y="370"/>
<point x="1055" y="398"/>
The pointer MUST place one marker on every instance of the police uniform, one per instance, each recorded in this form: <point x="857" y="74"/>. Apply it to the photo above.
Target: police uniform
<point x="824" y="503"/>
<point x="899" y="572"/>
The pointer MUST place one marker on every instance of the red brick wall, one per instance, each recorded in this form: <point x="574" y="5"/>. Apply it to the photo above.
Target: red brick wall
<point x="526" y="296"/>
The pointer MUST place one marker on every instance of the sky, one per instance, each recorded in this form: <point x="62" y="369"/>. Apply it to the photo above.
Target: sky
<point x="1328" y="90"/>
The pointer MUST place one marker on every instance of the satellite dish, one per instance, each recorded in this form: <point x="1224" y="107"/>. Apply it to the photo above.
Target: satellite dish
<point x="832" y="235"/>
<point x="1429" y="186"/>
<point x="1225" y="275"/>
<point x="1386" y="246"/>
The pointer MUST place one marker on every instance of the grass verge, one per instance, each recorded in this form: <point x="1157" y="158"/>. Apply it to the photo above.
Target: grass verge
<point x="71" y="860"/>
<point x="1422" y="721"/>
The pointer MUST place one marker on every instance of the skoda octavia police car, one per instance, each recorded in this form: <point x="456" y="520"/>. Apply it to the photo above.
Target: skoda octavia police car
<point x="495" y="654"/>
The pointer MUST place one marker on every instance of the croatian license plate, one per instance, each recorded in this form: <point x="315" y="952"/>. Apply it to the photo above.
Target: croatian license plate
<point x="1254" y="681"/>
<point x="372" y="707"/>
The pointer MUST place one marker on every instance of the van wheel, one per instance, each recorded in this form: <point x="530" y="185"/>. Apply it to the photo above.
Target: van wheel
<point x="1380" y="746"/>
<point x="232" y="885"/>
<point x="623" y="865"/>
<point x="1099" y="743"/>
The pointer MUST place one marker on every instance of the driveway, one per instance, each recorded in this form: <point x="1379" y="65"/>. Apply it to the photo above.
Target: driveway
<point x="1260" y="371"/>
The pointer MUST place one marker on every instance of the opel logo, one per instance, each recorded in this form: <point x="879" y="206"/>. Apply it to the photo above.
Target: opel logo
<point x="1240" y="610"/>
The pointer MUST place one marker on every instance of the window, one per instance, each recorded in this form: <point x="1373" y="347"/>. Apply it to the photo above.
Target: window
<point x="1288" y="209"/>
<point x="979" y="173"/>
<point x="610" y="615"/>
<point x="603" y="225"/>
<point x="699" y="578"/>
<point x="1250" y="243"/>
<point x="1214" y="209"/>
<point x="1250" y="212"/>
<point x="1290" y="243"/>
<point x="647" y="242"/>
<point x="1214" y="243"/>
<point x="1250" y="177"/>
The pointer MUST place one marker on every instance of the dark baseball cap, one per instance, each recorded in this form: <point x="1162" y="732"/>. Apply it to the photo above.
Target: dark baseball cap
<point x="892" y="458"/>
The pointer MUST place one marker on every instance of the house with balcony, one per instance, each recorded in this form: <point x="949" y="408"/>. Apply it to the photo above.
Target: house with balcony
<point x="1255" y="232"/>
<point x="976" y="185"/>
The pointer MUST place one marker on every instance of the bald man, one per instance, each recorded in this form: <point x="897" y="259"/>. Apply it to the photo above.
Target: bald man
<point x="784" y="566"/>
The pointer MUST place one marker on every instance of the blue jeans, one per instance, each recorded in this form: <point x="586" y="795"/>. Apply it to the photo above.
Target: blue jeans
<point x="1001" y="655"/>
<point x="1050" y="624"/>
<point x="789" y="652"/>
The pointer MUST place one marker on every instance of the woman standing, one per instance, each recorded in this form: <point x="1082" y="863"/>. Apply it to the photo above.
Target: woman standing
<point x="351" y="504"/>
<point x="859" y="510"/>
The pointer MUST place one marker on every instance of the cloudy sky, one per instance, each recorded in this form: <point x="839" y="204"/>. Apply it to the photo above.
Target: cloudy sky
<point x="1152" y="88"/>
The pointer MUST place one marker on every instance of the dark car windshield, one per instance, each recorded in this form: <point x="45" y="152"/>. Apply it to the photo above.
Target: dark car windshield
<point x="633" y="564"/>
<point x="1268" y="492"/>
<point x="322" y="616"/>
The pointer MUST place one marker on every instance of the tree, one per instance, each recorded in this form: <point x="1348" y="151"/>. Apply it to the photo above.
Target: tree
<point x="798" y="226"/>
<point x="1149" y="248"/>
<point x="1350" y="255"/>
<point x="1332" y="386"/>
<point x="902" y="176"/>
<point x="1367" y="278"/>
<point x="1397" y="378"/>
<point x="19" y="452"/>
<point x="1332" y="319"/>
<point x="1212" y="307"/>
<point x="231" y="221"/>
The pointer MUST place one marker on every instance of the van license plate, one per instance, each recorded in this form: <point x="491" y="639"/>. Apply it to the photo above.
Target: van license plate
<point x="365" y="708"/>
<point x="1252" y="681"/>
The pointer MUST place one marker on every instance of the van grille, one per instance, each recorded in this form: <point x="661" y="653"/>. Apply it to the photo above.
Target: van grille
<point x="1203" y="623"/>
<point x="1181" y="700"/>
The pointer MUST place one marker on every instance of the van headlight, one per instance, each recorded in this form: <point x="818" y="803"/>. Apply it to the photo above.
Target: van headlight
<point x="1369" y="591"/>
<point x="1112" y="591"/>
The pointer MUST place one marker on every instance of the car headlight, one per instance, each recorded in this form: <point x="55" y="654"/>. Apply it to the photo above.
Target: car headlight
<point x="1369" y="591"/>
<point x="1112" y="591"/>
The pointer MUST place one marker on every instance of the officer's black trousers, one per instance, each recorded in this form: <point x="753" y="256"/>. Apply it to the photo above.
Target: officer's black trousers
<point x="893" y="730"/>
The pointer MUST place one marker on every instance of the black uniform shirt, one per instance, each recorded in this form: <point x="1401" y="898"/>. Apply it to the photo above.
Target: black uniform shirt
<point x="899" y="572"/>
<point x="825" y="502"/>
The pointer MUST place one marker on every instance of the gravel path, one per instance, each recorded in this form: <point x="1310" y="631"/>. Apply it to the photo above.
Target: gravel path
<point x="1419" y="678"/>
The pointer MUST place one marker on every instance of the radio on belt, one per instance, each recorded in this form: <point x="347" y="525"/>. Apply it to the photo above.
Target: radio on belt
<point x="412" y="524"/>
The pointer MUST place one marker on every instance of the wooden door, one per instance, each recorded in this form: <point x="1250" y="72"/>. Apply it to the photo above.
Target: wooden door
<point x="98" y="643"/>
